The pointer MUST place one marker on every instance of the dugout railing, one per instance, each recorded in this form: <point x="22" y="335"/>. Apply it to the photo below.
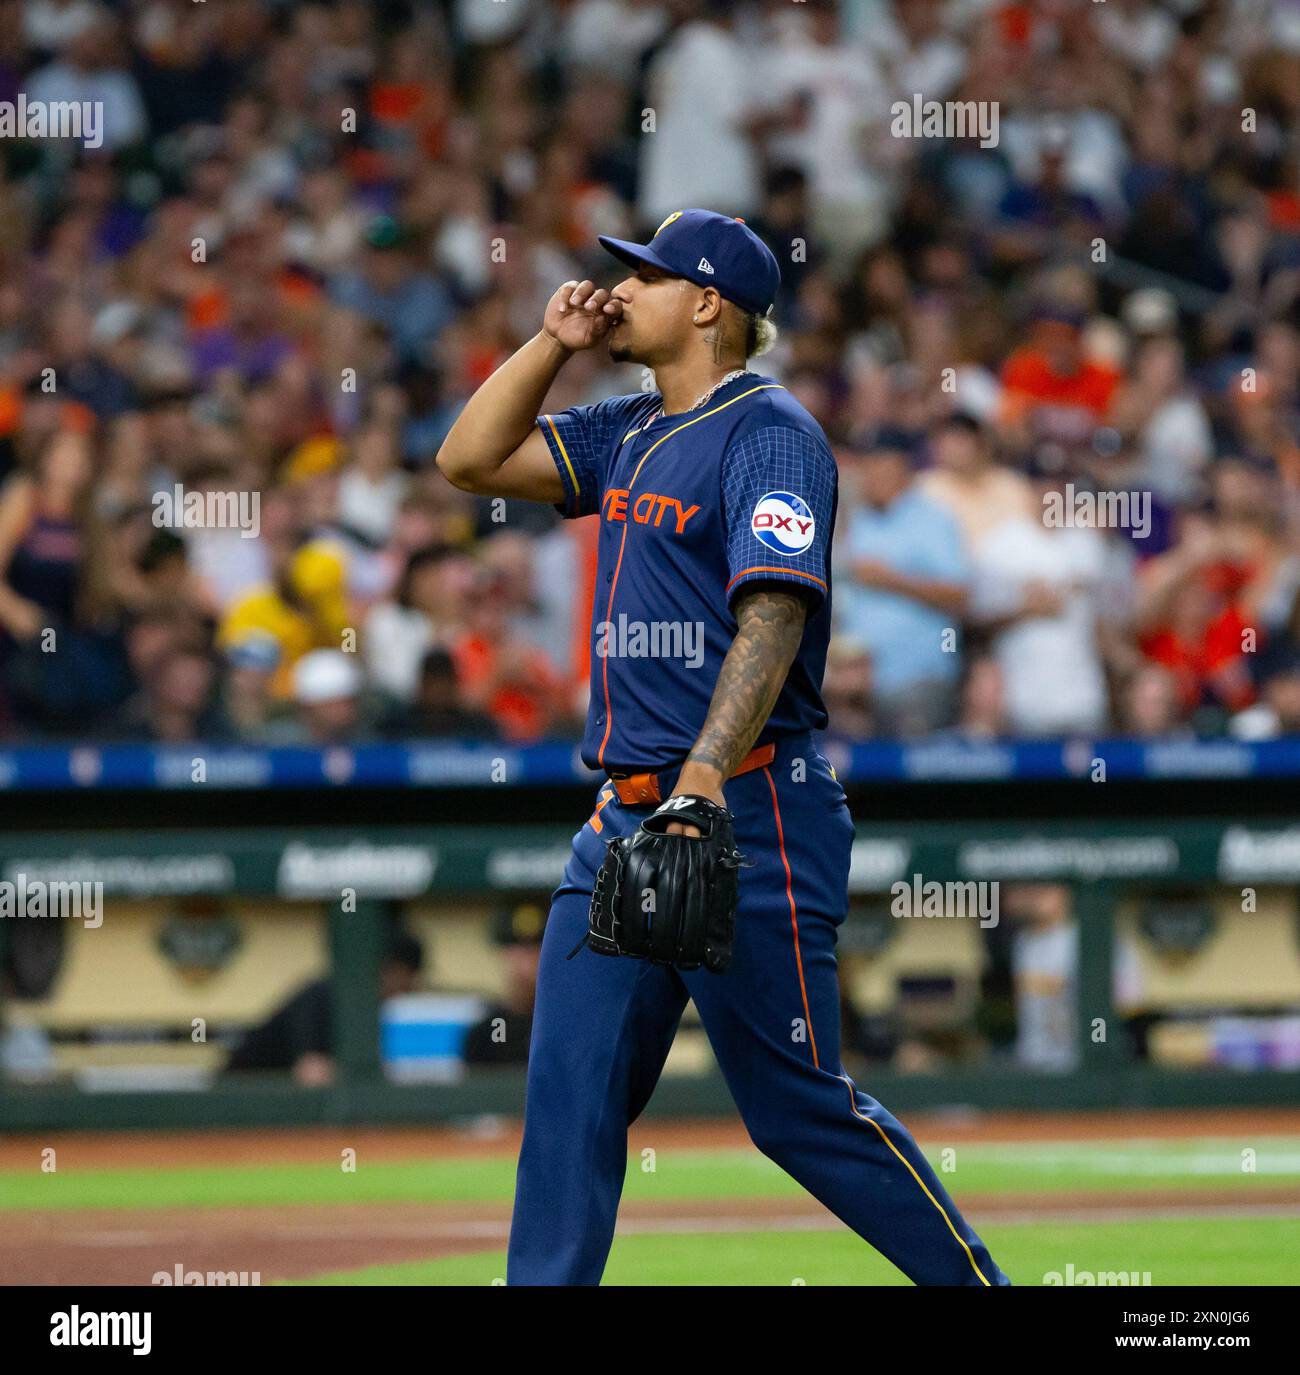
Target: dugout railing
<point x="1103" y="841"/>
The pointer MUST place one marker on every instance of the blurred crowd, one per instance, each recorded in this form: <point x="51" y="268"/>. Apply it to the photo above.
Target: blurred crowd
<point x="313" y="229"/>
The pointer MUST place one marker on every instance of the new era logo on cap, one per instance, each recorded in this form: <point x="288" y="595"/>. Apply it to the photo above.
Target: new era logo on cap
<point x="710" y="250"/>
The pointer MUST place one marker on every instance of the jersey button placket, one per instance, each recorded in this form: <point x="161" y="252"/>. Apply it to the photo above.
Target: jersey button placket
<point x="635" y="465"/>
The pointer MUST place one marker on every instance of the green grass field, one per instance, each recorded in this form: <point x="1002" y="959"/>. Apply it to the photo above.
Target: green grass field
<point x="1260" y="1251"/>
<point x="1250" y="1234"/>
<point x="1011" y="1168"/>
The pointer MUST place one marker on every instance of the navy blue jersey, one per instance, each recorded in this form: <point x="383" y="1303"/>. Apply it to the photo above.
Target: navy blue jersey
<point x="694" y="507"/>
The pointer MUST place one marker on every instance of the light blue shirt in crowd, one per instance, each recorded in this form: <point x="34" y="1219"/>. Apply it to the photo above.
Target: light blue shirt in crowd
<point x="916" y="536"/>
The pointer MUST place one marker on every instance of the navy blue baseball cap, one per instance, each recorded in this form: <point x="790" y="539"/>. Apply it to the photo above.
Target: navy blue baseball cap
<point x="710" y="250"/>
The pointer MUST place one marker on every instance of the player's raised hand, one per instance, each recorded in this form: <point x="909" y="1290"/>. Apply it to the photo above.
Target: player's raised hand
<point x="580" y="315"/>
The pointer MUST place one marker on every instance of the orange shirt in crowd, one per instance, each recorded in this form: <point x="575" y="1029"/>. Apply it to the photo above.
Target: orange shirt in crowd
<point x="524" y="704"/>
<point x="1198" y="663"/>
<point x="1029" y="380"/>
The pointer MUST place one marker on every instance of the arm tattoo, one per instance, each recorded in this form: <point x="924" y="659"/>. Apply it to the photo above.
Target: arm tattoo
<point x="753" y="673"/>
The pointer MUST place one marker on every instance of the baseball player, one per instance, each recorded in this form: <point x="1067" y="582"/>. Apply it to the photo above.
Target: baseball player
<point x="715" y="864"/>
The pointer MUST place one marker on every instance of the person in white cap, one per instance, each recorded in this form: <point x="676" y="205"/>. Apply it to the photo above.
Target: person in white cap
<point x="327" y="689"/>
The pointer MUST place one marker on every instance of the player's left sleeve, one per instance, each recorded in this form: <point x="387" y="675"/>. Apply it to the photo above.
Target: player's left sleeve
<point x="778" y="499"/>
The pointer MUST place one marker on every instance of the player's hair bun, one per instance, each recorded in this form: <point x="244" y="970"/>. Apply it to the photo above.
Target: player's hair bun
<point x="763" y="334"/>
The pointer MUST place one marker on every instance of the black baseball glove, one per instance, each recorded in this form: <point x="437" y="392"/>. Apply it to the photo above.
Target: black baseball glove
<point x="667" y="898"/>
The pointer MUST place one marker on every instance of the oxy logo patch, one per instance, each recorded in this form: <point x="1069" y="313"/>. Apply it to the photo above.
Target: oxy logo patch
<point x="784" y="523"/>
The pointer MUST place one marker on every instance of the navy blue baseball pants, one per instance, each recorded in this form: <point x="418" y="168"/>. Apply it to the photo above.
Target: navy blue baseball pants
<point x="603" y="1027"/>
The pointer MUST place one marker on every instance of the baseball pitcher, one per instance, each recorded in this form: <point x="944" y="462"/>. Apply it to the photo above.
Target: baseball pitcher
<point x="715" y="863"/>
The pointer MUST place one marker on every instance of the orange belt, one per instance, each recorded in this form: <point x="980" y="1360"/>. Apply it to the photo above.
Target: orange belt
<point x="638" y="789"/>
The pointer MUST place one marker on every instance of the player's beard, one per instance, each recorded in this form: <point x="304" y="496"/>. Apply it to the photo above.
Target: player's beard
<point x="621" y="350"/>
<point x="624" y="347"/>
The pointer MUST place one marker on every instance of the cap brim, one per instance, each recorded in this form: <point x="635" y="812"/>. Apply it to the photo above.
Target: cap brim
<point x="634" y="254"/>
